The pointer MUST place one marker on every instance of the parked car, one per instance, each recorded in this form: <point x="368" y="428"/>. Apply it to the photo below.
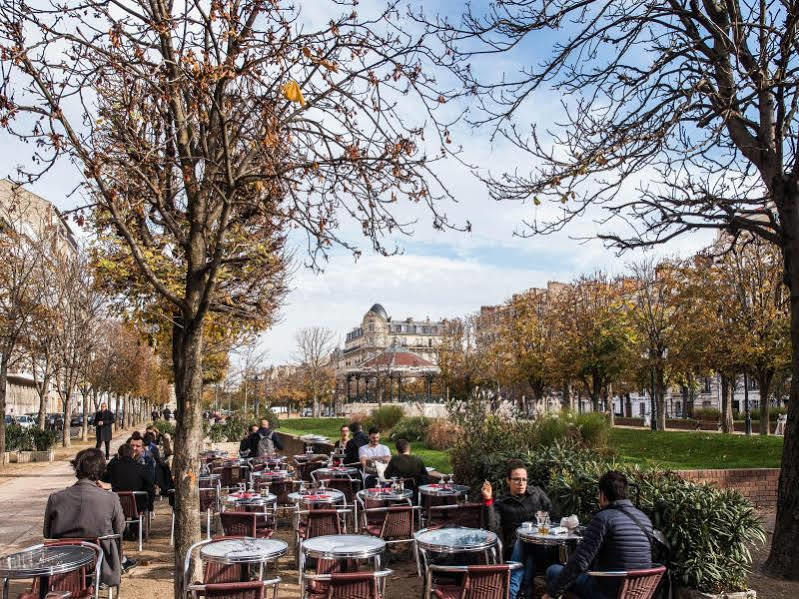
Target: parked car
<point x="9" y="419"/>
<point x="26" y="421"/>
<point x="54" y="422"/>
<point x="77" y="420"/>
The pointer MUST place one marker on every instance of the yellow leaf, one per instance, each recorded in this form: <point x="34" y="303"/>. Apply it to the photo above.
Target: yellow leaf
<point x="292" y="93"/>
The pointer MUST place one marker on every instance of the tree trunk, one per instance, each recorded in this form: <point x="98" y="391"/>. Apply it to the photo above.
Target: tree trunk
<point x="84" y="433"/>
<point x="628" y="406"/>
<point x="3" y="383"/>
<point x="65" y="436"/>
<point x="660" y="400"/>
<point x="609" y="404"/>
<point x="42" y="390"/>
<point x="187" y="359"/>
<point x="315" y="406"/>
<point x="566" y="401"/>
<point x="784" y="554"/>
<point x="764" y="378"/>
<point x="727" y="425"/>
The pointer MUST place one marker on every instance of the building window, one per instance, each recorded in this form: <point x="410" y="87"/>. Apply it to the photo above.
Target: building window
<point x="641" y="408"/>
<point x="429" y="343"/>
<point x="706" y="388"/>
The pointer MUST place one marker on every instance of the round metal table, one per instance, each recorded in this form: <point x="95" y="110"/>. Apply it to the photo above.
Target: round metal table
<point x="341" y="547"/>
<point x="251" y="499"/>
<point x="440" y="490"/>
<point x="386" y="494"/>
<point x="43" y="560"/>
<point x="269" y="475"/>
<point x="243" y="551"/>
<point x="457" y="539"/>
<point x="563" y="541"/>
<point x="338" y="471"/>
<point x="317" y="496"/>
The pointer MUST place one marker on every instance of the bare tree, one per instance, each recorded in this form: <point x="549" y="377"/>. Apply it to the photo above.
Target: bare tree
<point x="696" y="102"/>
<point x="205" y="132"/>
<point x="314" y="346"/>
<point x="75" y="323"/>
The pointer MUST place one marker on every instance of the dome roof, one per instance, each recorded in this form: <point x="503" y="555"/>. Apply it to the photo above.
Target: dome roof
<point x="380" y="311"/>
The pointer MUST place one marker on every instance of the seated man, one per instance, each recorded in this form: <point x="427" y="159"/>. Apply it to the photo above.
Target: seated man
<point x="405" y="465"/>
<point x="125" y="474"/>
<point x="140" y="453"/>
<point x="344" y="437"/>
<point x="373" y="452"/>
<point x="353" y="446"/>
<point x="617" y="538"/>
<point x="86" y="510"/>
<point x="506" y="514"/>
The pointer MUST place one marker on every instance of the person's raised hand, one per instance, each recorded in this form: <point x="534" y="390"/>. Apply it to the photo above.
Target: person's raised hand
<point x="487" y="491"/>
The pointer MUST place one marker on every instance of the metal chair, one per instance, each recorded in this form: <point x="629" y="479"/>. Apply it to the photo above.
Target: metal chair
<point x="77" y="584"/>
<point x="635" y="584"/>
<point x="245" y="524"/>
<point x="99" y="541"/>
<point x="349" y="585"/>
<point x="479" y="582"/>
<point x="133" y="515"/>
<point x="254" y="589"/>
<point x="464" y="514"/>
<point x="394" y="524"/>
<point x="214" y="573"/>
<point x="229" y="476"/>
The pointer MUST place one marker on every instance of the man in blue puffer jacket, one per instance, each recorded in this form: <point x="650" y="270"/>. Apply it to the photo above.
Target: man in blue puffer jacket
<point x="617" y="538"/>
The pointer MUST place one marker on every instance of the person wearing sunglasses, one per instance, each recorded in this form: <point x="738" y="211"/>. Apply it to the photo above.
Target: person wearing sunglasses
<point x="505" y="514"/>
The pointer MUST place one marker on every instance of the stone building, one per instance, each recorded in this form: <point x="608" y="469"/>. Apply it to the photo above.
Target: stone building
<point x="382" y="352"/>
<point x="31" y="217"/>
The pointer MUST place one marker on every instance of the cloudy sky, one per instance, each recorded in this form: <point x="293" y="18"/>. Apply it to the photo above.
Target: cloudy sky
<point x="437" y="274"/>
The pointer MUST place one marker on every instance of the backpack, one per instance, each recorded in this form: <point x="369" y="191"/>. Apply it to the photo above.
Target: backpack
<point x="266" y="446"/>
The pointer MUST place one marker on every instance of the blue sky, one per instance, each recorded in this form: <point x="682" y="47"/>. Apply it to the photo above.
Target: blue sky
<point x="438" y="274"/>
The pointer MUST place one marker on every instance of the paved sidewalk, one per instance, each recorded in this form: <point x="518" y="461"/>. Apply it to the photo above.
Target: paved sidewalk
<point x="24" y="499"/>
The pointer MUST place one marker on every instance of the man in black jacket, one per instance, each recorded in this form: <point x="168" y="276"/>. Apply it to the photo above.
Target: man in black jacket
<point x="125" y="474"/>
<point x="264" y="441"/>
<point x="405" y="465"/>
<point x="103" y="421"/>
<point x="359" y="439"/>
<point x="617" y="538"/>
<point x="505" y="514"/>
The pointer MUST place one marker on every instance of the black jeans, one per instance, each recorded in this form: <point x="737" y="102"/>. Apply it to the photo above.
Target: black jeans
<point x="107" y="445"/>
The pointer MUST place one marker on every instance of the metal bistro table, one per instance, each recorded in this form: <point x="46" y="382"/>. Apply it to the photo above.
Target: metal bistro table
<point x="458" y="539"/>
<point x="315" y="496"/>
<point x="387" y="494"/>
<point x="249" y="499"/>
<point x="563" y="541"/>
<point x="337" y="471"/>
<point x="271" y="475"/>
<point x="244" y="551"/>
<point x="43" y="560"/>
<point x="441" y="490"/>
<point x="340" y="547"/>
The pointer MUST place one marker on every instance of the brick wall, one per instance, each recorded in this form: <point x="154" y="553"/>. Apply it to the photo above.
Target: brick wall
<point x="759" y="485"/>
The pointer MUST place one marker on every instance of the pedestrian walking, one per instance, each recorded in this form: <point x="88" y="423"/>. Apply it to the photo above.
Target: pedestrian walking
<point x="103" y="421"/>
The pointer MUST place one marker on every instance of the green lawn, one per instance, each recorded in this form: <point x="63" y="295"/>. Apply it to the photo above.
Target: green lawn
<point x="329" y="427"/>
<point x="679" y="450"/>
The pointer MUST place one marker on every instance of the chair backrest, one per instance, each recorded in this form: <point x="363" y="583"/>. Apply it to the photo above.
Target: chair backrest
<point x="323" y="522"/>
<point x="234" y="590"/>
<point x="127" y="499"/>
<point x="75" y="582"/>
<point x="281" y="489"/>
<point x="216" y="573"/>
<point x="308" y="468"/>
<point x="353" y="585"/>
<point x="209" y="499"/>
<point x="467" y="514"/>
<point x="398" y="522"/>
<point x="487" y="582"/>
<point x="228" y="475"/>
<point x="239" y="524"/>
<point x="641" y="584"/>
<point x="345" y="485"/>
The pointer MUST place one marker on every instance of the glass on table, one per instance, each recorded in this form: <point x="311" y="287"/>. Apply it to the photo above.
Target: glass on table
<point x="542" y="519"/>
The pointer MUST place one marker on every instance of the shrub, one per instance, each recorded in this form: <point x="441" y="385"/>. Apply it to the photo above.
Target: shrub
<point x="16" y="438"/>
<point x="442" y="434"/>
<point x="594" y="429"/>
<point x="165" y="427"/>
<point x="385" y="417"/>
<point x="709" y="530"/>
<point x="42" y="440"/>
<point x="412" y="428"/>
<point x="707" y="413"/>
<point x="363" y="418"/>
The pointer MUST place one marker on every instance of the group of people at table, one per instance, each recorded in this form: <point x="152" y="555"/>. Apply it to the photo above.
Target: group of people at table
<point x="618" y="537"/>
